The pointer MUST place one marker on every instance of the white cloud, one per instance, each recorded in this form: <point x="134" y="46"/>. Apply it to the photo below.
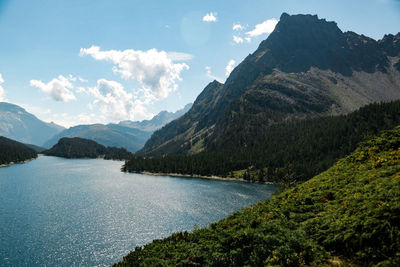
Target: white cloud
<point x="68" y="120"/>
<point x="237" y="39"/>
<point x="154" y="70"/>
<point x="39" y="111"/>
<point x="116" y="104"/>
<point x="229" y="67"/>
<point x="210" y="75"/>
<point x="84" y="118"/>
<point x="178" y="56"/>
<point x="267" y="26"/>
<point x="210" y="17"/>
<point x="82" y="80"/>
<point x="59" y="88"/>
<point x="237" y="27"/>
<point x="2" y="91"/>
<point x="71" y="78"/>
<point x="81" y="89"/>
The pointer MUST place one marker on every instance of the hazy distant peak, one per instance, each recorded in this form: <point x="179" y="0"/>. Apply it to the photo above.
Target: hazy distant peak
<point x="128" y="134"/>
<point x="18" y="124"/>
<point x="5" y="106"/>
<point x="159" y="120"/>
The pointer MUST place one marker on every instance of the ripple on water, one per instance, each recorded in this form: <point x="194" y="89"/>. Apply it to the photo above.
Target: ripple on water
<point x="56" y="211"/>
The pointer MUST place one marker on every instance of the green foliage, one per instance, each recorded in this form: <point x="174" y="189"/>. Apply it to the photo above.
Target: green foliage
<point x="13" y="151"/>
<point x="84" y="148"/>
<point x="348" y="214"/>
<point x="285" y="152"/>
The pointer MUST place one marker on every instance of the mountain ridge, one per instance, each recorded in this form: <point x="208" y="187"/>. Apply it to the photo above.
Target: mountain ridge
<point x="306" y="67"/>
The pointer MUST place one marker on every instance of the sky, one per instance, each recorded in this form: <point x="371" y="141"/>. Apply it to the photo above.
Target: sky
<point x="99" y="61"/>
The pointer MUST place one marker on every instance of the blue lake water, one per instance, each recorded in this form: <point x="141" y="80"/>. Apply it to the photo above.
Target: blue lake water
<point x="56" y="211"/>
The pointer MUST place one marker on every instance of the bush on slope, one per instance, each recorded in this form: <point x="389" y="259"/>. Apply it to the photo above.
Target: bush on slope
<point x="351" y="211"/>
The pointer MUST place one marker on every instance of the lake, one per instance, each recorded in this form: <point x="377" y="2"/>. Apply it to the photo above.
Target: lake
<point x="65" y="212"/>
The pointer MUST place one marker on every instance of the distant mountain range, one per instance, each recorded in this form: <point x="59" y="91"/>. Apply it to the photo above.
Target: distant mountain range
<point x="157" y="121"/>
<point x="130" y="135"/>
<point x="307" y="67"/>
<point x="16" y="123"/>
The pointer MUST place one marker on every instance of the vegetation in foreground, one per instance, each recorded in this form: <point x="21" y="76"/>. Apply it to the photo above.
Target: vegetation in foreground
<point x="13" y="151"/>
<point x="296" y="150"/>
<point x="76" y="147"/>
<point x="350" y="214"/>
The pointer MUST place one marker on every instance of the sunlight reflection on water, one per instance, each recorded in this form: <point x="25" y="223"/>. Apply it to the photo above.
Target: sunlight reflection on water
<point x="56" y="211"/>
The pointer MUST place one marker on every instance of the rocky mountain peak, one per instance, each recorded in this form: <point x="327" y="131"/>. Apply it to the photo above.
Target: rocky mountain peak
<point x="304" y="30"/>
<point x="391" y="44"/>
<point x="300" y="42"/>
<point x="306" y="67"/>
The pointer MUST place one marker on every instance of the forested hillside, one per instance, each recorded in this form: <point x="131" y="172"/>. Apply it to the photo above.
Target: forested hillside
<point x="287" y="152"/>
<point x="84" y="148"/>
<point x="348" y="215"/>
<point x="13" y="151"/>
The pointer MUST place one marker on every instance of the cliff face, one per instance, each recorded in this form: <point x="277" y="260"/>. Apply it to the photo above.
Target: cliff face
<point x="306" y="67"/>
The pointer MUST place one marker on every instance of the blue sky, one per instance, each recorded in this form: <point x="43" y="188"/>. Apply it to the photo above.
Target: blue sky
<point x="78" y="62"/>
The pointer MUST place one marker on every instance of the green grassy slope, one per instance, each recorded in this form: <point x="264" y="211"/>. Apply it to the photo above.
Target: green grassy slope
<point x="349" y="213"/>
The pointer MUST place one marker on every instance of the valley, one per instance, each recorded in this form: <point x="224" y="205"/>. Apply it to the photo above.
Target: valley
<point x="291" y="159"/>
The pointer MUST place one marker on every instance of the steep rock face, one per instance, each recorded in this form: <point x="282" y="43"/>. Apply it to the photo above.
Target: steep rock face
<point x="391" y="45"/>
<point x="16" y="123"/>
<point x="300" y="42"/>
<point x="306" y="67"/>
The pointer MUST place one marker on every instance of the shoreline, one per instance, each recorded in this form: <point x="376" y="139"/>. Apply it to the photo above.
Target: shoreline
<point x="18" y="162"/>
<point x="99" y="157"/>
<point x="196" y="176"/>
